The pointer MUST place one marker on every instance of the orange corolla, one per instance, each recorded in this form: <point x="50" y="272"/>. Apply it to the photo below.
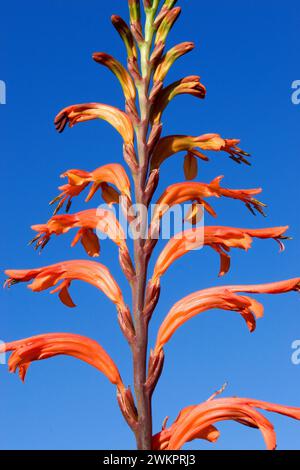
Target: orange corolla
<point x="225" y="298"/>
<point x="91" y="272"/>
<point x="221" y="239"/>
<point x="89" y="111"/>
<point x="88" y="222"/>
<point x="198" y="192"/>
<point x="49" y="345"/>
<point x="197" y="419"/>
<point x="186" y="86"/>
<point x="160" y="441"/>
<point x="172" y="144"/>
<point x="101" y="178"/>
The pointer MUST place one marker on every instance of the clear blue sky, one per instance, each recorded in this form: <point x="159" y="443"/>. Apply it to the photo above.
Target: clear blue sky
<point x="247" y="55"/>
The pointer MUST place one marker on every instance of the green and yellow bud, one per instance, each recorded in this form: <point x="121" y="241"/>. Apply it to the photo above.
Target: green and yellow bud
<point x="171" y="56"/>
<point x="166" y="25"/>
<point x="134" y="11"/>
<point x="119" y="71"/>
<point x="126" y="35"/>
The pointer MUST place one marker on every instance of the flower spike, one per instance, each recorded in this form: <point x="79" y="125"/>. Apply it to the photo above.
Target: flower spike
<point x="225" y="298"/>
<point x="41" y="347"/>
<point x="86" y="112"/>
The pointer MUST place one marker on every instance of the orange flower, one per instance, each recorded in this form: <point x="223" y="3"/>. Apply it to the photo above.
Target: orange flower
<point x="197" y="192"/>
<point x="78" y="180"/>
<point x="222" y="297"/>
<point x="67" y="271"/>
<point x="186" y="86"/>
<point x="172" y="144"/>
<point x="119" y="71"/>
<point x="87" y="221"/>
<point x="221" y="239"/>
<point x="89" y="111"/>
<point x="243" y="410"/>
<point x="49" y="345"/>
<point x="160" y="441"/>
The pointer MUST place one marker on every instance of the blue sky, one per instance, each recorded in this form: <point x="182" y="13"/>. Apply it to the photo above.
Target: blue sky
<point x="247" y="55"/>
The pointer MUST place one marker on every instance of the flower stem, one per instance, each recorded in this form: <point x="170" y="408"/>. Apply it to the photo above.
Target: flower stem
<point x="140" y="345"/>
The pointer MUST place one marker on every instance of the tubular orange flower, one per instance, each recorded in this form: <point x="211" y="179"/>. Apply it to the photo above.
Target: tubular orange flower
<point x="89" y="111"/>
<point x="78" y="180"/>
<point x="221" y="239"/>
<point x="91" y="272"/>
<point x="160" y="441"/>
<point x="119" y="71"/>
<point x="168" y="60"/>
<point x="172" y="144"/>
<point x="87" y="221"/>
<point x="224" y="298"/>
<point x="49" y="345"/>
<point x="197" y="192"/>
<point x="186" y="86"/>
<point x="241" y="410"/>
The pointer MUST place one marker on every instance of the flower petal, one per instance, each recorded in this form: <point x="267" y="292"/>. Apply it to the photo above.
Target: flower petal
<point x="89" y="111"/>
<point x="49" y="345"/>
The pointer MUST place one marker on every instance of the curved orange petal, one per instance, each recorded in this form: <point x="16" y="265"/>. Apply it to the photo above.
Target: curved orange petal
<point x="100" y="219"/>
<point x="89" y="111"/>
<point x="49" y="345"/>
<point x="218" y="237"/>
<point x="223" y="297"/>
<point x="172" y="144"/>
<point x="91" y="272"/>
<point x="192" y="191"/>
<point x="209" y="413"/>
<point x="78" y="180"/>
